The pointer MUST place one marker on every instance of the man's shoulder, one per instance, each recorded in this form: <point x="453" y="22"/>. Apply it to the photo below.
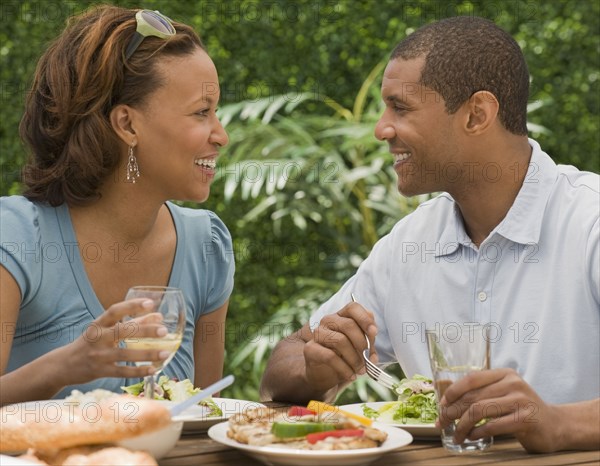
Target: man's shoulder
<point x="430" y="217"/>
<point x="440" y="203"/>
<point x="572" y="179"/>
<point x="578" y="193"/>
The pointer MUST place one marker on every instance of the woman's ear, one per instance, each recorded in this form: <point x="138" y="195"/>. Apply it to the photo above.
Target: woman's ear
<point x="481" y="111"/>
<point x="121" y="119"/>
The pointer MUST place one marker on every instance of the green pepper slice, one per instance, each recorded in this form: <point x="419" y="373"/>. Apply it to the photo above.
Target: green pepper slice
<point x="299" y="429"/>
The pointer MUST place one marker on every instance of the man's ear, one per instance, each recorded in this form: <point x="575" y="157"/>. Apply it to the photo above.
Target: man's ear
<point x="481" y="112"/>
<point x="121" y="119"/>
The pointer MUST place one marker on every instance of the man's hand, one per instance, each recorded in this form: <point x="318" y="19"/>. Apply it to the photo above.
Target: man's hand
<point x="333" y="351"/>
<point x="315" y="365"/>
<point x="508" y="403"/>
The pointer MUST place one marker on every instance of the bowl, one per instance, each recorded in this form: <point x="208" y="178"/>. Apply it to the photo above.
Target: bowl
<point x="157" y="443"/>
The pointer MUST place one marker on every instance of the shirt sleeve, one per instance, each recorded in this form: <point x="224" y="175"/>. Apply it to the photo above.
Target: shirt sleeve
<point x="593" y="256"/>
<point x="221" y="264"/>
<point x="21" y="245"/>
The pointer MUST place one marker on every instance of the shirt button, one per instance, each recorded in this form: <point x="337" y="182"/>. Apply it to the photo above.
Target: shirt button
<point x="482" y="296"/>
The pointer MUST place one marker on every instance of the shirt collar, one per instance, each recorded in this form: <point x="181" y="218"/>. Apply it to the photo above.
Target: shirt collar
<point x="523" y="222"/>
<point x="453" y="233"/>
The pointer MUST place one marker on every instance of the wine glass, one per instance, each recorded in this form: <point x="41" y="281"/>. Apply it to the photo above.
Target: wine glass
<point x="169" y="310"/>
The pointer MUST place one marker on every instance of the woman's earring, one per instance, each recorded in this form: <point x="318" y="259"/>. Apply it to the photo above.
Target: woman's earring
<point x="132" y="171"/>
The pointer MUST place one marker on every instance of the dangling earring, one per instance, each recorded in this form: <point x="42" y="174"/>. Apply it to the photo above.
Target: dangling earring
<point x="132" y="169"/>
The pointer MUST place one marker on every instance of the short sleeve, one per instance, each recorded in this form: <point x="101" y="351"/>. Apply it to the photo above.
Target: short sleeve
<point x="20" y="244"/>
<point x="221" y="264"/>
<point x="593" y="256"/>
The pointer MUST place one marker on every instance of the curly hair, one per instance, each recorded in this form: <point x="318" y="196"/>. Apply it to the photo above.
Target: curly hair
<point x="80" y="78"/>
<point x="466" y="54"/>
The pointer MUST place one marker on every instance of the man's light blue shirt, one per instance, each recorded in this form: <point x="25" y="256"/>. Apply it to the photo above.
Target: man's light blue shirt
<point x="535" y="280"/>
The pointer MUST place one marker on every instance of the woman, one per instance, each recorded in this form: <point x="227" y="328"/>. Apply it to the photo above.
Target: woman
<point x="121" y="118"/>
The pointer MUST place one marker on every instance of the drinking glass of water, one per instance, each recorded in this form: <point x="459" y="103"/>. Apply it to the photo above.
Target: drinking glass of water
<point x="454" y="351"/>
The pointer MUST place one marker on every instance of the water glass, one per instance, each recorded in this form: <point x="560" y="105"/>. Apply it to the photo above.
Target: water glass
<point x="455" y="350"/>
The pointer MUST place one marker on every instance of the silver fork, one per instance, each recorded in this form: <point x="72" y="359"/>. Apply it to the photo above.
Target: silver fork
<point x="377" y="374"/>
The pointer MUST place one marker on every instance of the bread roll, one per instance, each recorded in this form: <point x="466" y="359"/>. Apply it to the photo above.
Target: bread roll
<point x="114" y="456"/>
<point x="30" y="458"/>
<point x="92" y="456"/>
<point x="62" y="424"/>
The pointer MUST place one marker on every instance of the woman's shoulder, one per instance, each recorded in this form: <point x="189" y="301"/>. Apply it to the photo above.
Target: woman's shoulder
<point x="22" y="249"/>
<point x="208" y="262"/>
<point x="11" y="203"/>
<point x="204" y="223"/>
<point x="18" y="213"/>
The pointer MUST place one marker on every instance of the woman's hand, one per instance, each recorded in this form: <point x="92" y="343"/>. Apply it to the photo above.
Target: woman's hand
<point x="96" y="353"/>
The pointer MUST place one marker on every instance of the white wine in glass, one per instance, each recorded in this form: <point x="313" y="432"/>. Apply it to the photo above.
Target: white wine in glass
<point x="169" y="310"/>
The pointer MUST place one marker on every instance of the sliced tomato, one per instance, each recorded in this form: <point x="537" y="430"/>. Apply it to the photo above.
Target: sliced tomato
<point x="300" y="411"/>
<point x="318" y="436"/>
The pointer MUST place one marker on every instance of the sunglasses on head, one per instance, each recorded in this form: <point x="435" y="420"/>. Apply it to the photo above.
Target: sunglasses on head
<point x="149" y="23"/>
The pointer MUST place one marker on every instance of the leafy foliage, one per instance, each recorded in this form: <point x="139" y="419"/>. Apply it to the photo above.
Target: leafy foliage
<point x="311" y="172"/>
<point x="305" y="189"/>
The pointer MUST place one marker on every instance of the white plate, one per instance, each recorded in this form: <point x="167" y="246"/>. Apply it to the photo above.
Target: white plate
<point x="281" y="456"/>
<point x="417" y="430"/>
<point x="196" y="419"/>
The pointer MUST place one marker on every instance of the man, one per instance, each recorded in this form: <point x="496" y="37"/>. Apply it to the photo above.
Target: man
<point x="514" y="243"/>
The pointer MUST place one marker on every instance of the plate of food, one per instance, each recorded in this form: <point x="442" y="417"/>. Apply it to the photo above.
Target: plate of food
<point x="200" y="418"/>
<point x="414" y="411"/>
<point x="318" y="434"/>
<point x="416" y="429"/>
<point x="197" y="418"/>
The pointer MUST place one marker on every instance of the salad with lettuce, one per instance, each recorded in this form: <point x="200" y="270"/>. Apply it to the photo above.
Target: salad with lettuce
<point x="416" y="403"/>
<point x="175" y="390"/>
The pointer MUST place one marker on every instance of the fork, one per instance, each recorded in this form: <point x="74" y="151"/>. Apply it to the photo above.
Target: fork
<point x="377" y="374"/>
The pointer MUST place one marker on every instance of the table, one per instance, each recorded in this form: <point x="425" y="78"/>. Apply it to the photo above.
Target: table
<point x="200" y="449"/>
